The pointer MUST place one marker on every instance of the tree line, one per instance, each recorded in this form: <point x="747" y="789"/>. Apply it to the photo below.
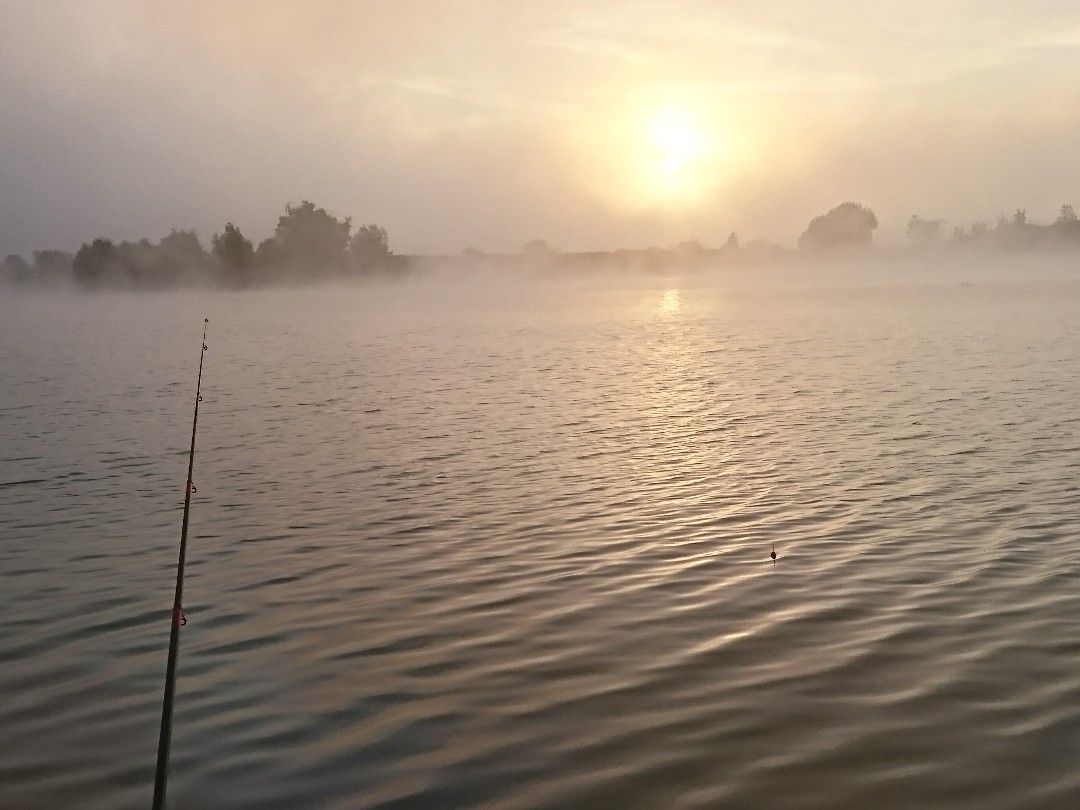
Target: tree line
<point x="308" y="243"/>
<point x="851" y="225"/>
<point x="1018" y="232"/>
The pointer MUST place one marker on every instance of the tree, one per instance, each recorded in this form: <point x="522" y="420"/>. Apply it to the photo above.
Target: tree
<point x="15" y="270"/>
<point x="142" y="265"/>
<point x="1067" y="226"/>
<point x="234" y="253"/>
<point x="845" y="226"/>
<point x="923" y="232"/>
<point x="52" y="261"/>
<point x="1017" y="233"/>
<point x="369" y="247"/>
<point x="536" y="248"/>
<point x="182" y="254"/>
<point x="95" y="261"/>
<point x="51" y="267"/>
<point x="537" y="254"/>
<point x="311" y="238"/>
<point x="183" y="243"/>
<point x="268" y="253"/>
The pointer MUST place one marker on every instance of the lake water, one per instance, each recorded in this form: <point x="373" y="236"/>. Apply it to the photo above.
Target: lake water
<point x="474" y="544"/>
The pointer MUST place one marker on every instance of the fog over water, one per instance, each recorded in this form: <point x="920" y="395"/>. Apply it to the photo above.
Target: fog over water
<point x="638" y="404"/>
<point x="466" y="541"/>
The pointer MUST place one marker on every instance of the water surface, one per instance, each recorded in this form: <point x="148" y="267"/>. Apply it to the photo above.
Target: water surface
<point x="473" y="544"/>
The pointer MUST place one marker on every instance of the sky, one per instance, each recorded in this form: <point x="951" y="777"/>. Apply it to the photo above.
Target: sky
<point x="593" y="125"/>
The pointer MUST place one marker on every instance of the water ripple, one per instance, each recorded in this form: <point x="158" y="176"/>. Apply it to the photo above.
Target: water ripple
<point x="514" y="552"/>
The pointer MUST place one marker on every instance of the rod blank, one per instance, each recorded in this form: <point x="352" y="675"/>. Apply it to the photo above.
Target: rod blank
<point x="178" y="619"/>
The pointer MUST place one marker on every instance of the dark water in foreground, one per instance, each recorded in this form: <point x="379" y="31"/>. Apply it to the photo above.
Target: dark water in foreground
<point x="461" y="548"/>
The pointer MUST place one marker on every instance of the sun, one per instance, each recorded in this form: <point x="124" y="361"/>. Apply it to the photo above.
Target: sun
<point x="677" y="142"/>
<point x="673" y="154"/>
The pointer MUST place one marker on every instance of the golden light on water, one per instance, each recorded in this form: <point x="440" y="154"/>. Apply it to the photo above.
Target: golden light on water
<point x="670" y="303"/>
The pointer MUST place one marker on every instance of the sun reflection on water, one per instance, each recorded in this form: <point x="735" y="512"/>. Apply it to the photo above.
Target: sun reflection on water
<point x="671" y="303"/>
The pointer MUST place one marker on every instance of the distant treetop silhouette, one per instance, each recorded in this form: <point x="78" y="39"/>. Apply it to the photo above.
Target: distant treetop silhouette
<point x="847" y="225"/>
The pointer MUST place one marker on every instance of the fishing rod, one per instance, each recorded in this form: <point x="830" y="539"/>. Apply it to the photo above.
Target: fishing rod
<point x="178" y="617"/>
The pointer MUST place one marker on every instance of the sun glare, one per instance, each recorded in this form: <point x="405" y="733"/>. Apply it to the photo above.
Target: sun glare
<point x="676" y="156"/>
<point x="677" y="142"/>
<point x="671" y="156"/>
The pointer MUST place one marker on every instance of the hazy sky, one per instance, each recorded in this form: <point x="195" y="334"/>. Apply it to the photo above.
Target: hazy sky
<point x="485" y="124"/>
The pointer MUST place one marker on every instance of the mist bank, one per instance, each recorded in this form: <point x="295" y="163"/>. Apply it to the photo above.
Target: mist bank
<point x="311" y="245"/>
